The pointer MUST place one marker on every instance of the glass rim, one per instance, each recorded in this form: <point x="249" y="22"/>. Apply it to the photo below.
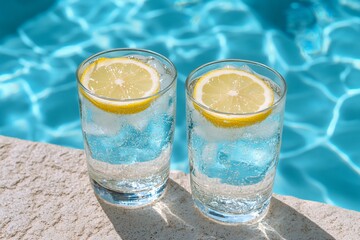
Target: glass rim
<point x="158" y="55"/>
<point x="274" y="104"/>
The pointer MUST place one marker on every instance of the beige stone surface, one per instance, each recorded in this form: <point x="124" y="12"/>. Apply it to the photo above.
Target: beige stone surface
<point x="45" y="194"/>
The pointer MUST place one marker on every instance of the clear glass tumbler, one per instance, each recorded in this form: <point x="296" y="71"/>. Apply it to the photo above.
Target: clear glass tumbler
<point x="128" y="151"/>
<point x="233" y="162"/>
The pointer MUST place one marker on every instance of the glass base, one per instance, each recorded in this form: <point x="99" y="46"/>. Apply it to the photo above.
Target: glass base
<point x="226" y="218"/>
<point x="129" y="200"/>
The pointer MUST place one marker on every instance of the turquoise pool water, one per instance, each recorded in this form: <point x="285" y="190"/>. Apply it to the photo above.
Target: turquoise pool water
<point x="314" y="44"/>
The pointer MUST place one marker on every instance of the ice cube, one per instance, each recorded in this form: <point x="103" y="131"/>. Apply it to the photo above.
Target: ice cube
<point x="166" y="75"/>
<point x="107" y="123"/>
<point x="265" y="129"/>
<point x="261" y="157"/>
<point x="138" y="57"/>
<point x="157" y="65"/>
<point x="139" y="121"/>
<point x="246" y="68"/>
<point x="209" y="153"/>
<point x="208" y="131"/>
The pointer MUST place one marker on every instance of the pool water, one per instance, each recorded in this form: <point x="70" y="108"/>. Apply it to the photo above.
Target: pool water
<point x="314" y="44"/>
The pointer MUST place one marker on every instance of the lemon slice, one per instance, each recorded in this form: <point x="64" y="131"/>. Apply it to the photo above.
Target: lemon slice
<point x="120" y="85"/>
<point x="237" y="96"/>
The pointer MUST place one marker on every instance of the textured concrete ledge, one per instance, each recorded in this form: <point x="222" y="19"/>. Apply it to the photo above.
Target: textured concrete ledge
<point x="45" y="194"/>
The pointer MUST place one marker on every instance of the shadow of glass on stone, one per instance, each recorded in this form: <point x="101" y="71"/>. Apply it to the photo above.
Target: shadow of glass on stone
<point x="175" y="217"/>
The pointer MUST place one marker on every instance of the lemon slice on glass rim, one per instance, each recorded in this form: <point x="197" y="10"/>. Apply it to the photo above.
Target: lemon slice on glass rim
<point x="231" y="97"/>
<point x="120" y="85"/>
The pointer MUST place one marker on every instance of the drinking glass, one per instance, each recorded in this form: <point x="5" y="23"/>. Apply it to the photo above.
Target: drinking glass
<point x="232" y="167"/>
<point x="128" y="153"/>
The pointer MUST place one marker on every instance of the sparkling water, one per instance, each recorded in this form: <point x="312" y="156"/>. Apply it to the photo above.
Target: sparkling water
<point x="128" y="154"/>
<point x="232" y="169"/>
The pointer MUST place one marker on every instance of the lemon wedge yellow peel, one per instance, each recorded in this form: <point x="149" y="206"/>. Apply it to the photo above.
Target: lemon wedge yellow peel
<point x="236" y="98"/>
<point x="120" y="85"/>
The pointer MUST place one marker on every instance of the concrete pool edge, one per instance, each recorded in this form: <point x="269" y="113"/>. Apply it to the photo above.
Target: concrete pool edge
<point x="45" y="193"/>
